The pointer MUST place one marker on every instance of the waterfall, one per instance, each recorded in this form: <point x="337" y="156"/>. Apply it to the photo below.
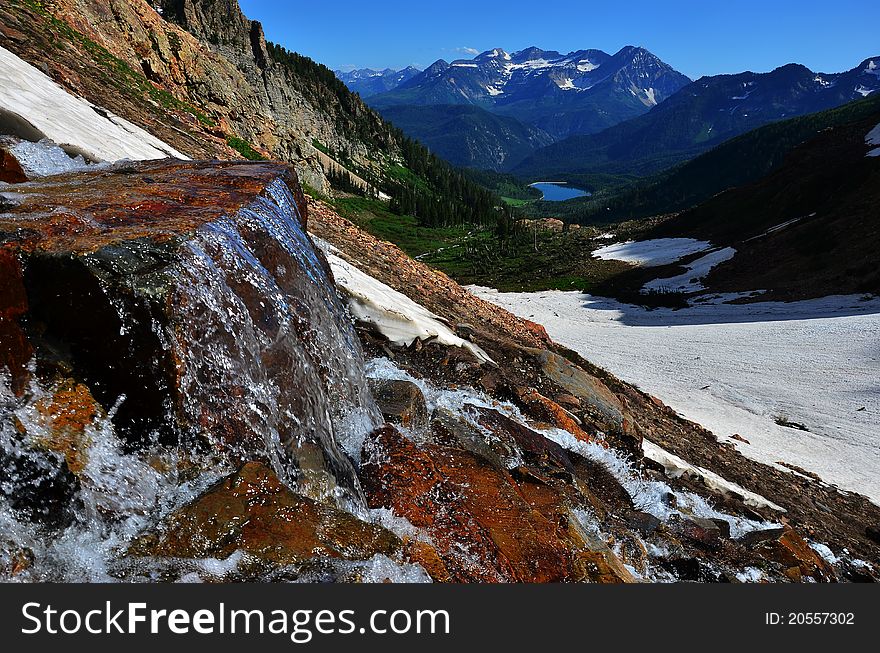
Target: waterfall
<point x="163" y="362"/>
<point x="268" y="357"/>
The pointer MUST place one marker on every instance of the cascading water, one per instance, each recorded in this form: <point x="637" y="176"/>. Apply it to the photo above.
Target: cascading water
<point x="268" y="357"/>
<point x="220" y="345"/>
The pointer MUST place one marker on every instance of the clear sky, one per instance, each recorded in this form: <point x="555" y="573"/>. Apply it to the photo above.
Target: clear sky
<point x="705" y="37"/>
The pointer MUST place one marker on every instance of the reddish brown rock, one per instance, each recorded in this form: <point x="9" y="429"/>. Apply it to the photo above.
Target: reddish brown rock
<point x="482" y="528"/>
<point x="554" y="414"/>
<point x="85" y="211"/>
<point x="487" y="525"/>
<point x="15" y="348"/>
<point x="65" y="417"/>
<point x="538" y="331"/>
<point x="569" y="402"/>
<point x="788" y="549"/>
<point x="10" y="169"/>
<point x="160" y="281"/>
<point x="253" y="511"/>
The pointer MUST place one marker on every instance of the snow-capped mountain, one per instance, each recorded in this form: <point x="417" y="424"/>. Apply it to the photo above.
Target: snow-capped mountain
<point x="702" y="115"/>
<point x="563" y="94"/>
<point x="369" y="82"/>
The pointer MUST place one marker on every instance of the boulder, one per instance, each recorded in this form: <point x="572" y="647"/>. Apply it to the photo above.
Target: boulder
<point x="643" y="522"/>
<point x="11" y="171"/>
<point x="592" y="393"/>
<point x="253" y="511"/>
<point x="193" y="289"/>
<point x="401" y="402"/>
<point x="702" y="532"/>
<point x="486" y="524"/>
<point x="786" y="547"/>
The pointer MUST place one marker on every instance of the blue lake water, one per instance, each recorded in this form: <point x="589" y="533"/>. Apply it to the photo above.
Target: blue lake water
<point x="559" y="192"/>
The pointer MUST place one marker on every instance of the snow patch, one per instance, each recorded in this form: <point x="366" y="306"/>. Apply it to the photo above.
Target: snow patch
<point x="651" y="95"/>
<point x="676" y="467"/>
<point x="736" y="368"/>
<point x="652" y="253"/>
<point x="690" y="281"/>
<point x="586" y="66"/>
<point x="392" y="313"/>
<point x="72" y="121"/>
<point x="873" y="138"/>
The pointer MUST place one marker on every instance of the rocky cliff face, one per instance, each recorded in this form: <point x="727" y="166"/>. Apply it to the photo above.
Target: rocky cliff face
<point x="198" y="85"/>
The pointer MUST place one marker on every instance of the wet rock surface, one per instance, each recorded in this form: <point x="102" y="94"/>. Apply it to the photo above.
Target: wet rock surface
<point x="401" y="402"/>
<point x="253" y="512"/>
<point x="198" y="299"/>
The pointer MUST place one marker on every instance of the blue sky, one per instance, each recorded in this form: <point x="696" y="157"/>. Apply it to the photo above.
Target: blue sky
<point x="697" y="38"/>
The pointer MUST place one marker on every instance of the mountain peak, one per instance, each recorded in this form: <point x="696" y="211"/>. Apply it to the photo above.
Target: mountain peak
<point x="496" y="53"/>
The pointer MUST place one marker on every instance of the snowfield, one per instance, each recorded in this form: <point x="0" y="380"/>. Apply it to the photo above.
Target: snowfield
<point x="738" y="369"/>
<point x="652" y="253"/>
<point x="70" y="121"/>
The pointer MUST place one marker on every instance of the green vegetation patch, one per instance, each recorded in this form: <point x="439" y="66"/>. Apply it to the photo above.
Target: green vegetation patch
<point x="244" y="148"/>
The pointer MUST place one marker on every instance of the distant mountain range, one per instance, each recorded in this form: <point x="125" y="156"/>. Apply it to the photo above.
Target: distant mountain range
<point x="368" y="82"/>
<point x="580" y="92"/>
<point x="588" y="115"/>
<point x="701" y="116"/>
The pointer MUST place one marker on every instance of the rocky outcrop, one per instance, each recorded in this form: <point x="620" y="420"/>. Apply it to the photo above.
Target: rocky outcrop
<point x="252" y="511"/>
<point x="486" y="526"/>
<point x="535" y="375"/>
<point x="198" y="87"/>
<point x="188" y="298"/>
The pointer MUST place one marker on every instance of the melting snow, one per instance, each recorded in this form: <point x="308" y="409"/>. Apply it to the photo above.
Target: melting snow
<point x="676" y="467"/>
<point x="45" y="158"/>
<point x="738" y="368"/>
<point x="873" y="138"/>
<point x="689" y="281"/>
<point x="71" y="121"/>
<point x="651" y="253"/>
<point x="395" y="315"/>
<point x="652" y="98"/>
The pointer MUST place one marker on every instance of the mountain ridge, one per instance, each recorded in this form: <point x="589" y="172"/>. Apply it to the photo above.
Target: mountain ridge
<point x="367" y="82"/>
<point x="582" y="91"/>
<point x="706" y="113"/>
